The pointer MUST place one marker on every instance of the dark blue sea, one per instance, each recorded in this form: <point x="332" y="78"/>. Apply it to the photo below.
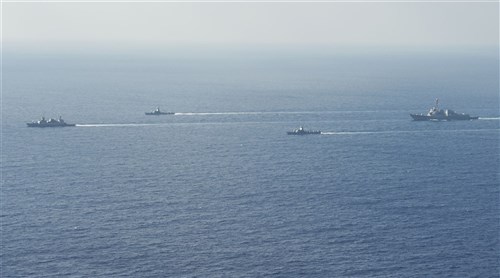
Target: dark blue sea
<point x="220" y="190"/>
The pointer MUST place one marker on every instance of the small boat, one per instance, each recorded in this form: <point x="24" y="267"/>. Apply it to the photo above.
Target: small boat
<point x="302" y="131"/>
<point x="157" y="112"/>
<point x="436" y="114"/>
<point x="49" y="123"/>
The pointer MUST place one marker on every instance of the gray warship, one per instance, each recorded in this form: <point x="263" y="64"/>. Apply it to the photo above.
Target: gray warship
<point x="302" y="131"/>
<point x="157" y="112"/>
<point x="49" y="123"/>
<point x="436" y="114"/>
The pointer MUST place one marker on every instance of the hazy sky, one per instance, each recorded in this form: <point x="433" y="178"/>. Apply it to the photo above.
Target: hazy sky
<point x="48" y="25"/>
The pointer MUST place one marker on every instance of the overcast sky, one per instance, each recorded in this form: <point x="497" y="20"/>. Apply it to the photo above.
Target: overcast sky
<point x="47" y="25"/>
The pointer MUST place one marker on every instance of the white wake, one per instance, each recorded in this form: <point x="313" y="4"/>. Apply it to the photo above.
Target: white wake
<point x="489" y="118"/>
<point x="116" y="125"/>
<point x="405" y="131"/>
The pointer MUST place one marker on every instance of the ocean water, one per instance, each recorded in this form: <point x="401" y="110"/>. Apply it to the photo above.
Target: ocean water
<point x="220" y="190"/>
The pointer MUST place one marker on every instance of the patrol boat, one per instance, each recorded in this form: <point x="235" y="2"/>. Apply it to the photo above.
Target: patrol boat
<point x="50" y="123"/>
<point x="302" y="131"/>
<point x="157" y="112"/>
<point x="436" y="114"/>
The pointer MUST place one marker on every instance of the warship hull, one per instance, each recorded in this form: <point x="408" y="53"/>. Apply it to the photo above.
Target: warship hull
<point x="420" y="117"/>
<point x="48" y="125"/>
<point x="436" y="114"/>
<point x="158" y="114"/>
<point x="303" y="133"/>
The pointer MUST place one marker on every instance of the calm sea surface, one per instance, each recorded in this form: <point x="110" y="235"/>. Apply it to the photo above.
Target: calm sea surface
<point x="220" y="190"/>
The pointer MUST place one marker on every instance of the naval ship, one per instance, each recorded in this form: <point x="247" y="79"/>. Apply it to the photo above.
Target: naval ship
<point x="436" y="114"/>
<point x="302" y="131"/>
<point x="50" y="123"/>
<point x="157" y="112"/>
